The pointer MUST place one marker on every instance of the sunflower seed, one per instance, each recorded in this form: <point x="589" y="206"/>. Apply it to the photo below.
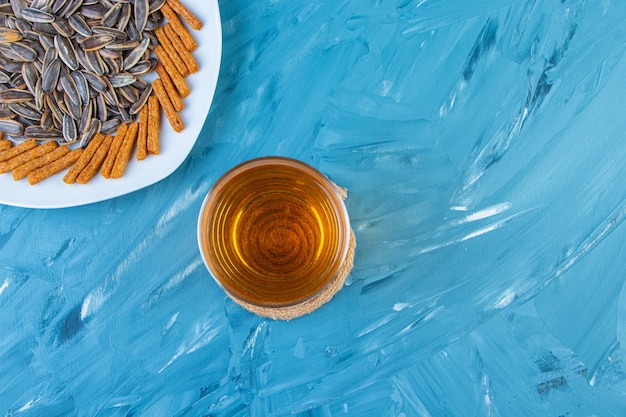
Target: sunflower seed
<point x="46" y="41"/>
<point x="142" y="67"/>
<point x="154" y="22"/>
<point x="66" y="51"/>
<point x="95" y="42"/>
<point x="17" y="81"/>
<point x="110" y="97"/>
<point x="100" y="108"/>
<point x="130" y="93"/>
<point x="4" y="77"/>
<point x="95" y="81"/>
<point x="11" y="127"/>
<point x="103" y="30"/>
<point x="111" y="17"/>
<point x="122" y="98"/>
<point x="153" y="39"/>
<point x="77" y="22"/>
<point x="26" y="53"/>
<point x="63" y="27"/>
<point x="141" y="9"/>
<point x="8" y="35"/>
<point x="112" y="64"/>
<point x="5" y="112"/>
<point x="75" y="110"/>
<point x="46" y="28"/>
<point x="8" y="53"/>
<point x="155" y="5"/>
<point x="51" y="76"/>
<point x="18" y="6"/>
<point x="70" y="88"/>
<point x="122" y="79"/>
<point x="135" y="55"/>
<point x="95" y="63"/>
<point x="143" y="98"/>
<point x="51" y="55"/>
<point x="85" y="117"/>
<point x="123" y="45"/>
<point x="124" y="16"/>
<point x="70" y="134"/>
<point x="15" y="96"/>
<point x="6" y="9"/>
<point x="23" y="26"/>
<point x="46" y="121"/>
<point x="124" y="114"/>
<point x="133" y="33"/>
<point x="25" y="111"/>
<point x="36" y="16"/>
<point x="59" y="98"/>
<point x="81" y="86"/>
<point x="51" y="104"/>
<point x="30" y="75"/>
<point x="37" y="132"/>
<point x="70" y="8"/>
<point x="106" y="53"/>
<point x="82" y="58"/>
<point x="12" y="66"/>
<point x="93" y="11"/>
<point x="39" y="95"/>
<point x="25" y="122"/>
<point x="39" y="4"/>
<point x="94" y="128"/>
<point x="58" y="5"/>
<point x="41" y="51"/>
<point x="110" y="126"/>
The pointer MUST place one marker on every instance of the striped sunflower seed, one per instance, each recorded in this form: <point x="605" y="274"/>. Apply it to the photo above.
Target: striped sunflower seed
<point x="21" y="109"/>
<point x="78" y="23"/>
<point x="11" y="127"/>
<point x="94" y="128"/>
<point x="142" y="7"/>
<point x="36" y="16"/>
<point x="95" y="42"/>
<point x="111" y="17"/>
<point x="70" y="133"/>
<point x="51" y="76"/>
<point x="15" y="96"/>
<point x="66" y="51"/>
<point x="8" y="35"/>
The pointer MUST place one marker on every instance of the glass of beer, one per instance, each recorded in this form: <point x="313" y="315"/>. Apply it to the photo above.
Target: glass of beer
<point x="274" y="232"/>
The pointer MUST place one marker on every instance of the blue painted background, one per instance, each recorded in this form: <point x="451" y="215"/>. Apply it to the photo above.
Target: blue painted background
<point x="482" y="144"/>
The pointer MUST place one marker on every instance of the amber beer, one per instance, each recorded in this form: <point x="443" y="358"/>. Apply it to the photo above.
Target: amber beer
<point x="273" y="232"/>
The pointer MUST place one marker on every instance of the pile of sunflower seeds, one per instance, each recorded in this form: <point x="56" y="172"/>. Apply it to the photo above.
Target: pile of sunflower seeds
<point x="70" y="69"/>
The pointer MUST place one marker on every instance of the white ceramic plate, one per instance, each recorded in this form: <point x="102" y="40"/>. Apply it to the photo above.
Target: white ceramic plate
<point x="54" y="193"/>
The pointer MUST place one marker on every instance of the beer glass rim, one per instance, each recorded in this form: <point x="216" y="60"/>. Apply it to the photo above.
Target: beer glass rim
<point x="326" y="184"/>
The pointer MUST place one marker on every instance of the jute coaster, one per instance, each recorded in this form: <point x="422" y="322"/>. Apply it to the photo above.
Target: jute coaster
<point x="297" y="310"/>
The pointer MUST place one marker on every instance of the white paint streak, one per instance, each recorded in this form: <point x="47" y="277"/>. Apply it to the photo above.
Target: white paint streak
<point x="170" y="323"/>
<point x="488" y="212"/>
<point x="377" y="324"/>
<point x="176" y="355"/>
<point x="400" y="306"/>
<point x="4" y="286"/>
<point x="481" y="231"/>
<point x="589" y="245"/>
<point x="506" y="299"/>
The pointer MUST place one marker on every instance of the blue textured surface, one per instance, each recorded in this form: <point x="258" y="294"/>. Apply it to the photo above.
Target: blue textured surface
<point x="482" y="144"/>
